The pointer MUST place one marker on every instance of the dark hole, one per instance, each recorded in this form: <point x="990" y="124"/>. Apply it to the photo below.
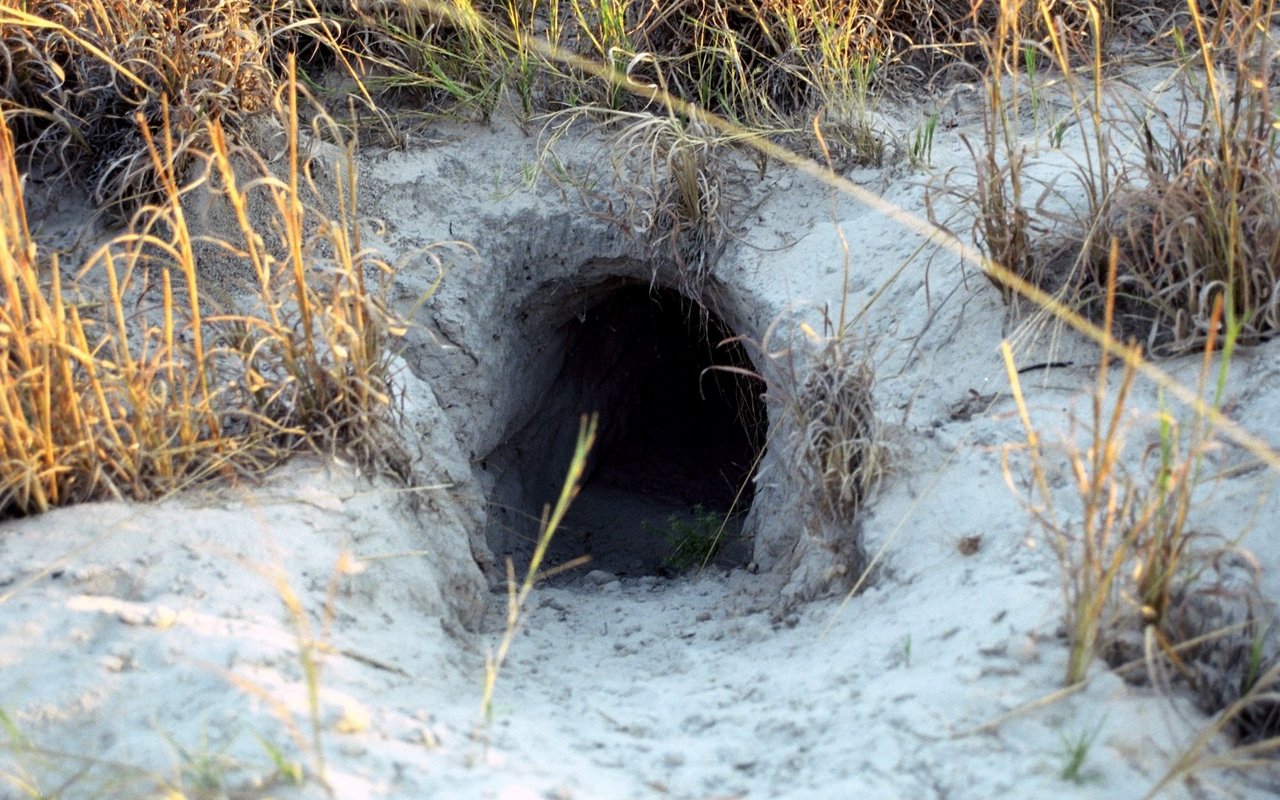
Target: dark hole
<point x="678" y="439"/>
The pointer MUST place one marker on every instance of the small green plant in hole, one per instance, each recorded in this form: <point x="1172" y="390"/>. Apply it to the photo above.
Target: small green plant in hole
<point x="692" y="543"/>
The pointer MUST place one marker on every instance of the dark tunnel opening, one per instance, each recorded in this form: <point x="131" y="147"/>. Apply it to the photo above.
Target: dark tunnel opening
<point x="681" y="426"/>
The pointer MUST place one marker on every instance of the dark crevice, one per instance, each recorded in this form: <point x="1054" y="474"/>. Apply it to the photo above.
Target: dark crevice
<point x="677" y="432"/>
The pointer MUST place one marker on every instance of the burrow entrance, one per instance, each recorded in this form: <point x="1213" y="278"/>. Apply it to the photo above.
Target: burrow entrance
<point x="681" y="426"/>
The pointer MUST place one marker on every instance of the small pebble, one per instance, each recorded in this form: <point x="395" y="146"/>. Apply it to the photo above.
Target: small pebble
<point x="132" y="616"/>
<point x="355" y="718"/>
<point x="1026" y="651"/>
<point x="116" y="663"/>
<point x="162" y="617"/>
<point x="612" y="586"/>
<point x="599" y="577"/>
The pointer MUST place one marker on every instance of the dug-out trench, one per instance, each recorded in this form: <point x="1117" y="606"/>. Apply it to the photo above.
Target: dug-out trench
<point x="681" y="427"/>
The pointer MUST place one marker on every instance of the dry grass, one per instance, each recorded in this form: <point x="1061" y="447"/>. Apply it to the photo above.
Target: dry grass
<point x="1176" y="246"/>
<point x="1199" y="217"/>
<point x="315" y="356"/>
<point x="139" y="101"/>
<point x="518" y="595"/>
<point x="840" y="440"/>
<point x="76" y="78"/>
<point x="1193" y="205"/>
<point x="396" y="62"/>
<point x="79" y="73"/>
<point x="91" y="406"/>
<point x="131" y="398"/>
<point x="1141" y="586"/>
<point x="663" y="181"/>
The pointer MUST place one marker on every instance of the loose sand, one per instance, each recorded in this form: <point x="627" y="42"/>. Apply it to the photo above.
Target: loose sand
<point x="148" y="643"/>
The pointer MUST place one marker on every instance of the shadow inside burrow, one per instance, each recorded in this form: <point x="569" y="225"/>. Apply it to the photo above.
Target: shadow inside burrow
<point x="681" y="427"/>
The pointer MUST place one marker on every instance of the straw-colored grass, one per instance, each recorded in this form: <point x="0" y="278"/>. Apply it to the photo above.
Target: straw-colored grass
<point x="76" y="75"/>
<point x="97" y="401"/>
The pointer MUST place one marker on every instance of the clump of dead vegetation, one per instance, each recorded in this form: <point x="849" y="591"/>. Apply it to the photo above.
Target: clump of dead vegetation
<point x="840" y="440"/>
<point x="1183" y="178"/>
<point x="80" y="81"/>
<point x="127" y="382"/>
<point x="1144" y="589"/>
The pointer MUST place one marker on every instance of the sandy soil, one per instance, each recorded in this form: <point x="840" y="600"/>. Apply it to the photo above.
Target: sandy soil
<point x="165" y="645"/>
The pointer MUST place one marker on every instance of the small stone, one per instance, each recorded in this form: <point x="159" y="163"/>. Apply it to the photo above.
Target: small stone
<point x="599" y="577"/>
<point x="355" y="718"/>
<point x="428" y="738"/>
<point x="612" y="586"/>
<point x="132" y="616"/>
<point x="116" y="663"/>
<point x="703" y="616"/>
<point x="1026" y="651"/>
<point x="162" y="617"/>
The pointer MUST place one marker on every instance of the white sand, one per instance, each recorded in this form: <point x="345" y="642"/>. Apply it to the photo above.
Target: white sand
<point x="149" y="644"/>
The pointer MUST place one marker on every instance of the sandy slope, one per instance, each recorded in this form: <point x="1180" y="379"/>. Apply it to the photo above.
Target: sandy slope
<point x="141" y="645"/>
<point x="161" y="628"/>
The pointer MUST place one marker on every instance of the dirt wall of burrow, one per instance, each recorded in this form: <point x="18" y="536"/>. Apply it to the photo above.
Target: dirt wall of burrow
<point x="486" y="340"/>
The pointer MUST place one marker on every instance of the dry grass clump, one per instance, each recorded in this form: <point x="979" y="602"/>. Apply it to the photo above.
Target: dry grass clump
<point x="840" y="442"/>
<point x="1142" y="588"/>
<point x="77" y="74"/>
<point x="397" y="59"/>
<point x="129" y="395"/>
<point x="1193" y="200"/>
<point x="1007" y="205"/>
<point x="89" y="408"/>
<point x="762" y="61"/>
<point x="1124" y="552"/>
<point x="76" y="77"/>
<point x="1199" y="217"/>
<point x="663" y="181"/>
<point x="312" y="357"/>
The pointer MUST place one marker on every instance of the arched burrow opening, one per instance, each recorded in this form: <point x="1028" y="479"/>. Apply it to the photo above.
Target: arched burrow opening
<point x="681" y="426"/>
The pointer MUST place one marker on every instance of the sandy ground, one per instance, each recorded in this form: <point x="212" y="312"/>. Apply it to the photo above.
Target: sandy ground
<point x="211" y="642"/>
